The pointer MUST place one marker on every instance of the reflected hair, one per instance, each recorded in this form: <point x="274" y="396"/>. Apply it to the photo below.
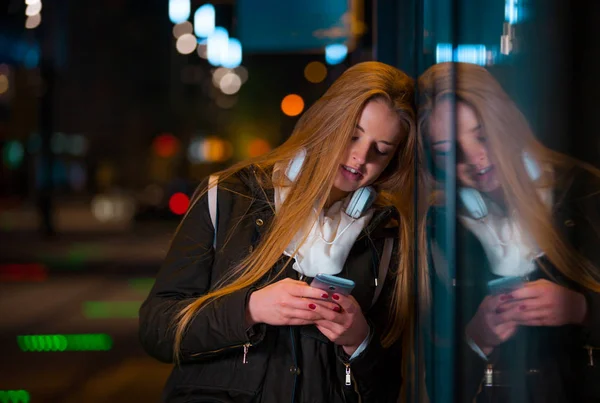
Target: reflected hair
<point x="509" y="135"/>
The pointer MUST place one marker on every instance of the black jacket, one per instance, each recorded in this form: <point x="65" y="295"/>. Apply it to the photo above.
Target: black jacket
<point x="541" y="364"/>
<point x="284" y="363"/>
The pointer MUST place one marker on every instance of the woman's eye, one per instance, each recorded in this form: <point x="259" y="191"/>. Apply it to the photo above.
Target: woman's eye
<point x="379" y="152"/>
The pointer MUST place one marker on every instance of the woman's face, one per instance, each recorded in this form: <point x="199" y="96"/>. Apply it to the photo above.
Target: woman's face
<point x="375" y="140"/>
<point x="474" y="167"/>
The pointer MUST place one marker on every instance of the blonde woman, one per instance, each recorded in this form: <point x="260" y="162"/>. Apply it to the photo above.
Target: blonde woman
<point x="240" y="319"/>
<point x="528" y="218"/>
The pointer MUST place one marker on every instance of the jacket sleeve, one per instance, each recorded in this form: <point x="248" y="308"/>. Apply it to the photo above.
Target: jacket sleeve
<point x="377" y="371"/>
<point x="184" y="276"/>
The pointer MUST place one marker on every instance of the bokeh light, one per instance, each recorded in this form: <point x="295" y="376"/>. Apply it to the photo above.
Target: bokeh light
<point x="33" y="21"/>
<point x="335" y="53"/>
<point x="111" y="309"/>
<point x="233" y="57"/>
<point x="315" y="72"/>
<point x="209" y="149"/>
<point x="230" y="83"/>
<point x="77" y="176"/>
<point x="33" y="9"/>
<point x="216" y="46"/>
<point x="218" y="74"/>
<point x="112" y="208"/>
<point x="23" y="272"/>
<point x="201" y="49"/>
<point x="186" y="44"/>
<point x="292" y="105"/>
<point x="59" y="143"/>
<point x="165" y="145"/>
<point x="226" y="101"/>
<point x="14" y="396"/>
<point x="242" y="72"/>
<point x="4" y="84"/>
<point x="204" y="21"/>
<point x="258" y="147"/>
<point x="179" y="11"/>
<point x="182" y="28"/>
<point x="13" y="154"/>
<point x="65" y="342"/>
<point x="179" y="203"/>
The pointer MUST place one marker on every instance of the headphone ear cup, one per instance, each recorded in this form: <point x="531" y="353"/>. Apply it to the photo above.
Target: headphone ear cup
<point x="532" y="167"/>
<point x="295" y="165"/>
<point x="361" y="201"/>
<point x="473" y="203"/>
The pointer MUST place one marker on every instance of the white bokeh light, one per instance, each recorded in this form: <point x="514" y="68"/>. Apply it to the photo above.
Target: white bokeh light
<point x="204" y="21"/>
<point x="230" y="83"/>
<point x="186" y="44"/>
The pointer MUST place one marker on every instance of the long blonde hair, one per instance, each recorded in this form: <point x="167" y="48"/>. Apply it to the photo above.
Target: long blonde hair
<point x="509" y="135"/>
<point x="324" y="132"/>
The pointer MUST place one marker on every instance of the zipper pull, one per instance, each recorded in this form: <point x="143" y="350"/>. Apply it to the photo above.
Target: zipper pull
<point x="348" y="376"/>
<point x="246" y="347"/>
<point x="489" y="375"/>
<point x="591" y="355"/>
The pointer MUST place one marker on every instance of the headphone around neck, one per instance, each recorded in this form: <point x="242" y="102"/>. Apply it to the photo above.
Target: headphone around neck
<point x="361" y="200"/>
<point x="472" y="200"/>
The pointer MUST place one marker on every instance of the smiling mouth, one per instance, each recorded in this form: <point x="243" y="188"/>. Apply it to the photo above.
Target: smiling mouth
<point x="352" y="170"/>
<point x="484" y="170"/>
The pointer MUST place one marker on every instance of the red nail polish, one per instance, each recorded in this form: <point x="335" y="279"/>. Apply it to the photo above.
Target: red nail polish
<point x="522" y="307"/>
<point x="325" y="296"/>
<point x="312" y="306"/>
<point x="337" y="309"/>
<point x="335" y="296"/>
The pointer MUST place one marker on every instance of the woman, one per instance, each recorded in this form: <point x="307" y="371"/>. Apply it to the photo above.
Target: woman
<point x="527" y="215"/>
<point x="240" y="318"/>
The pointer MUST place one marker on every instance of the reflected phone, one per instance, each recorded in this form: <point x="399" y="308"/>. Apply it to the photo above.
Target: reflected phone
<point x="333" y="284"/>
<point x="505" y="285"/>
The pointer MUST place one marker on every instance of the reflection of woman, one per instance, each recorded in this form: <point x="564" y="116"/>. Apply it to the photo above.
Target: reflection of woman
<point x="241" y="319"/>
<point x="524" y="211"/>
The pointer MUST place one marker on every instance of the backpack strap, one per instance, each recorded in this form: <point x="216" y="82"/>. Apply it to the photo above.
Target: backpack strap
<point x="384" y="264"/>
<point x="213" y="181"/>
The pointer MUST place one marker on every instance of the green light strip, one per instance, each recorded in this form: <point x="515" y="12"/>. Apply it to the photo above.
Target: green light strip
<point x="64" y="342"/>
<point x="14" y="396"/>
<point x="143" y="285"/>
<point x="111" y="309"/>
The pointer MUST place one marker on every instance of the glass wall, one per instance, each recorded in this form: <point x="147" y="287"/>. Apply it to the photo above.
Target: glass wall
<point x="512" y="226"/>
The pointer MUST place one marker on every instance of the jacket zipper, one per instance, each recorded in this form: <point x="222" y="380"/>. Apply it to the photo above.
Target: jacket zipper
<point x="348" y="374"/>
<point x="590" y="350"/>
<point x="246" y="347"/>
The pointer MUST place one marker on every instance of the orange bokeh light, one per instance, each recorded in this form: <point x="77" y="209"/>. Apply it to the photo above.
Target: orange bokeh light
<point x="165" y="145"/>
<point x="258" y="147"/>
<point x="292" y="105"/>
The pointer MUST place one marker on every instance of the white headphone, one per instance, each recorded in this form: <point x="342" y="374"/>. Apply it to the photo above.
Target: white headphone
<point x="473" y="201"/>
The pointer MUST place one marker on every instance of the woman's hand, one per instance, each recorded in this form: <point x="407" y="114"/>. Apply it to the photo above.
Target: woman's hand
<point x="544" y="303"/>
<point x="289" y="302"/>
<point x="346" y="325"/>
<point x="489" y="328"/>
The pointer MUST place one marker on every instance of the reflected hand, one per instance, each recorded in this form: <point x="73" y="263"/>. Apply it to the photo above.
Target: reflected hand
<point x="544" y="303"/>
<point x="345" y="326"/>
<point x="288" y="302"/>
<point x="489" y="328"/>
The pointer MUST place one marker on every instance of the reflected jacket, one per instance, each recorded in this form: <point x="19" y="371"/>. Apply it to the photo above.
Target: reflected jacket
<point x="222" y="360"/>
<point x="539" y="364"/>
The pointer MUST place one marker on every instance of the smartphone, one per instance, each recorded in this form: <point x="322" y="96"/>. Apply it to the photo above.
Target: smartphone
<point x="333" y="284"/>
<point x="505" y="285"/>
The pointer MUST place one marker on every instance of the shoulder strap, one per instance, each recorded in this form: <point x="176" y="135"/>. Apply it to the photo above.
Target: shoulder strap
<point x="213" y="181"/>
<point x="384" y="264"/>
